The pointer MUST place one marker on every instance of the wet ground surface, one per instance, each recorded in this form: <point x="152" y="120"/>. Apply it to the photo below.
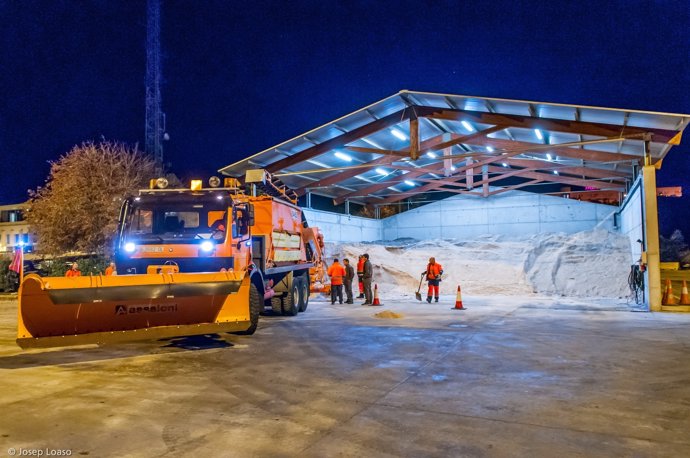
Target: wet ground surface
<point x="508" y="377"/>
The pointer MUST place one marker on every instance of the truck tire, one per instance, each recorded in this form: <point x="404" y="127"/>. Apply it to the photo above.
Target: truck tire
<point x="255" y="305"/>
<point x="277" y="305"/>
<point x="291" y="299"/>
<point x="303" y="293"/>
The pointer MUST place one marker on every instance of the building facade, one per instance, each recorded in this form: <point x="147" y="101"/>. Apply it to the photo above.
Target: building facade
<point x="14" y="230"/>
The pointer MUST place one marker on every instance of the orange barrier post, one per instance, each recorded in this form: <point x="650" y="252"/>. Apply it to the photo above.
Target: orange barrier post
<point x="669" y="298"/>
<point x="458" y="301"/>
<point x="684" y="296"/>
<point x="376" y="296"/>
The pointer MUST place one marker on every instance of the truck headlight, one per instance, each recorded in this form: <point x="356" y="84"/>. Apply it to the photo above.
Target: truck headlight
<point x="207" y="246"/>
<point x="130" y="247"/>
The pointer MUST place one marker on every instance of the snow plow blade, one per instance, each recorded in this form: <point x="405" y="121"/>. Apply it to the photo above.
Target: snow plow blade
<point x="61" y="311"/>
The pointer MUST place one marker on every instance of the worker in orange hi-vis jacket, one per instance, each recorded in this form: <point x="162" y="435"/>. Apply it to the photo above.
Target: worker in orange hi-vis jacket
<point x="336" y="271"/>
<point x="433" y="273"/>
<point x="73" y="271"/>
<point x="111" y="270"/>
<point x="360" y="276"/>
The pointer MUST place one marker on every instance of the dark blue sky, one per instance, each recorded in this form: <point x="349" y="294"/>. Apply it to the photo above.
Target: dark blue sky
<point x="242" y="76"/>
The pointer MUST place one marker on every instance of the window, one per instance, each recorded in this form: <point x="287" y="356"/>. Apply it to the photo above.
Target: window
<point x="16" y="239"/>
<point x="186" y="220"/>
<point x="26" y="239"/>
<point x="142" y="223"/>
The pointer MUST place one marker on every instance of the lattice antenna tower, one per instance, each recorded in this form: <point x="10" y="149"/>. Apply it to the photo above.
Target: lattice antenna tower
<point x="155" y="119"/>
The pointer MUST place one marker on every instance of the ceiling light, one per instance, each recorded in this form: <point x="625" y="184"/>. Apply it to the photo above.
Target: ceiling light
<point x="452" y="167"/>
<point x="505" y="164"/>
<point x="431" y="155"/>
<point x="555" y="172"/>
<point x="490" y="149"/>
<point x="381" y="171"/>
<point x="467" y="126"/>
<point x="343" y="156"/>
<point x="409" y="183"/>
<point x="539" y="134"/>
<point x="548" y="157"/>
<point x="398" y="134"/>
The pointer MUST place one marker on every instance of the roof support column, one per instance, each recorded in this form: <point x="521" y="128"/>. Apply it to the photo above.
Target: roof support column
<point x="414" y="139"/>
<point x="308" y="199"/>
<point x="347" y="207"/>
<point x="652" y="276"/>
<point x="485" y="179"/>
<point x="448" y="151"/>
<point x="470" y="174"/>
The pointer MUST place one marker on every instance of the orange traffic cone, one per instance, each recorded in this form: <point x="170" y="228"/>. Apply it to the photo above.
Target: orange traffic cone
<point x="458" y="301"/>
<point x="664" y="298"/>
<point x="669" y="298"/>
<point x="684" y="296"/>
<point x="376" y="296"/>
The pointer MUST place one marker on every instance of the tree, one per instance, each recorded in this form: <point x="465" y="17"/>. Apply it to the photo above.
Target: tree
<point x="78" y="207"/>
<point x="674" y="248"/>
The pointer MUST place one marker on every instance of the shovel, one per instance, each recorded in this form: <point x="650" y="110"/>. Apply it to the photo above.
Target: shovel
<point x="418" y="294"/>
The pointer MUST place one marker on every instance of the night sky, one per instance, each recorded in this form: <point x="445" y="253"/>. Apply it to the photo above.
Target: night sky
<point x="241" y="76"/>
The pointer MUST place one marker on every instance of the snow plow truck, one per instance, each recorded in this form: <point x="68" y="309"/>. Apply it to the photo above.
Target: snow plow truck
<point x="189" y="261"/>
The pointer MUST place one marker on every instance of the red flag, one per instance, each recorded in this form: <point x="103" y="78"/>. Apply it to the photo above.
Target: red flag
<point x="17" y="260"/>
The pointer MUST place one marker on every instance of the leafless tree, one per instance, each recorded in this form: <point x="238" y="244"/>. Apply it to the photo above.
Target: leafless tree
<point x="77" y="208"/>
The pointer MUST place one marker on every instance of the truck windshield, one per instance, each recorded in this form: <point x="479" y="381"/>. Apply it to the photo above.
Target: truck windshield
<point x="155" y="221"/>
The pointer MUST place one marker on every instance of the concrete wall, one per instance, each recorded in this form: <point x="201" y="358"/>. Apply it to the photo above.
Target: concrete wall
<point x="511" y="213"/>
<point x="344" y="228"/>
<point x="630" y="219"/>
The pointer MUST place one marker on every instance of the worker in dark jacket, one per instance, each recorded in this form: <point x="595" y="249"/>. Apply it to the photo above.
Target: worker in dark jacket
<point x="433" y="273"/>
<point x="347" y="280"/>
<point x="360" y="275"/>
<point x="367" y="277"/>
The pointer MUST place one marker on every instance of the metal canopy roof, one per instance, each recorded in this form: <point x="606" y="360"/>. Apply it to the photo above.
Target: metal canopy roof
<point x="418" y="142"/>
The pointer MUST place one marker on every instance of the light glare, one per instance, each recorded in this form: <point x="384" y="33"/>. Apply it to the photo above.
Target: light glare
<point x="398" y="134"/>
<point x="467" y="126"/>
<point x="539" y="134"/>
<point x="343" y="156"/>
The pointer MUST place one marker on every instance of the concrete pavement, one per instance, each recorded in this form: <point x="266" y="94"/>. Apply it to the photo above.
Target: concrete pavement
<point x="508" y="377"/>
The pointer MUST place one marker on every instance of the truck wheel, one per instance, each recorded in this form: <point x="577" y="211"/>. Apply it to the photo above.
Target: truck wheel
<point x="255" y="305"/>
<point x="277" y="305"/>
<point x="303" y="293"/>
<point x="291" y="300"/>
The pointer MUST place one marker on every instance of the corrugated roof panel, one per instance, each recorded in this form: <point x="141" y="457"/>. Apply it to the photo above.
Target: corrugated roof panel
<point x="562" y="137"/>
<point x="653" y="121"/>
<point x="555" y="112"/>
<point x="511" y="107"/>
<point x="602" y="116"/>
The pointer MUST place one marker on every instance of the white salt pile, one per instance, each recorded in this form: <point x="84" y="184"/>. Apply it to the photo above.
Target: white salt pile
<point x="587" y="264"/>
